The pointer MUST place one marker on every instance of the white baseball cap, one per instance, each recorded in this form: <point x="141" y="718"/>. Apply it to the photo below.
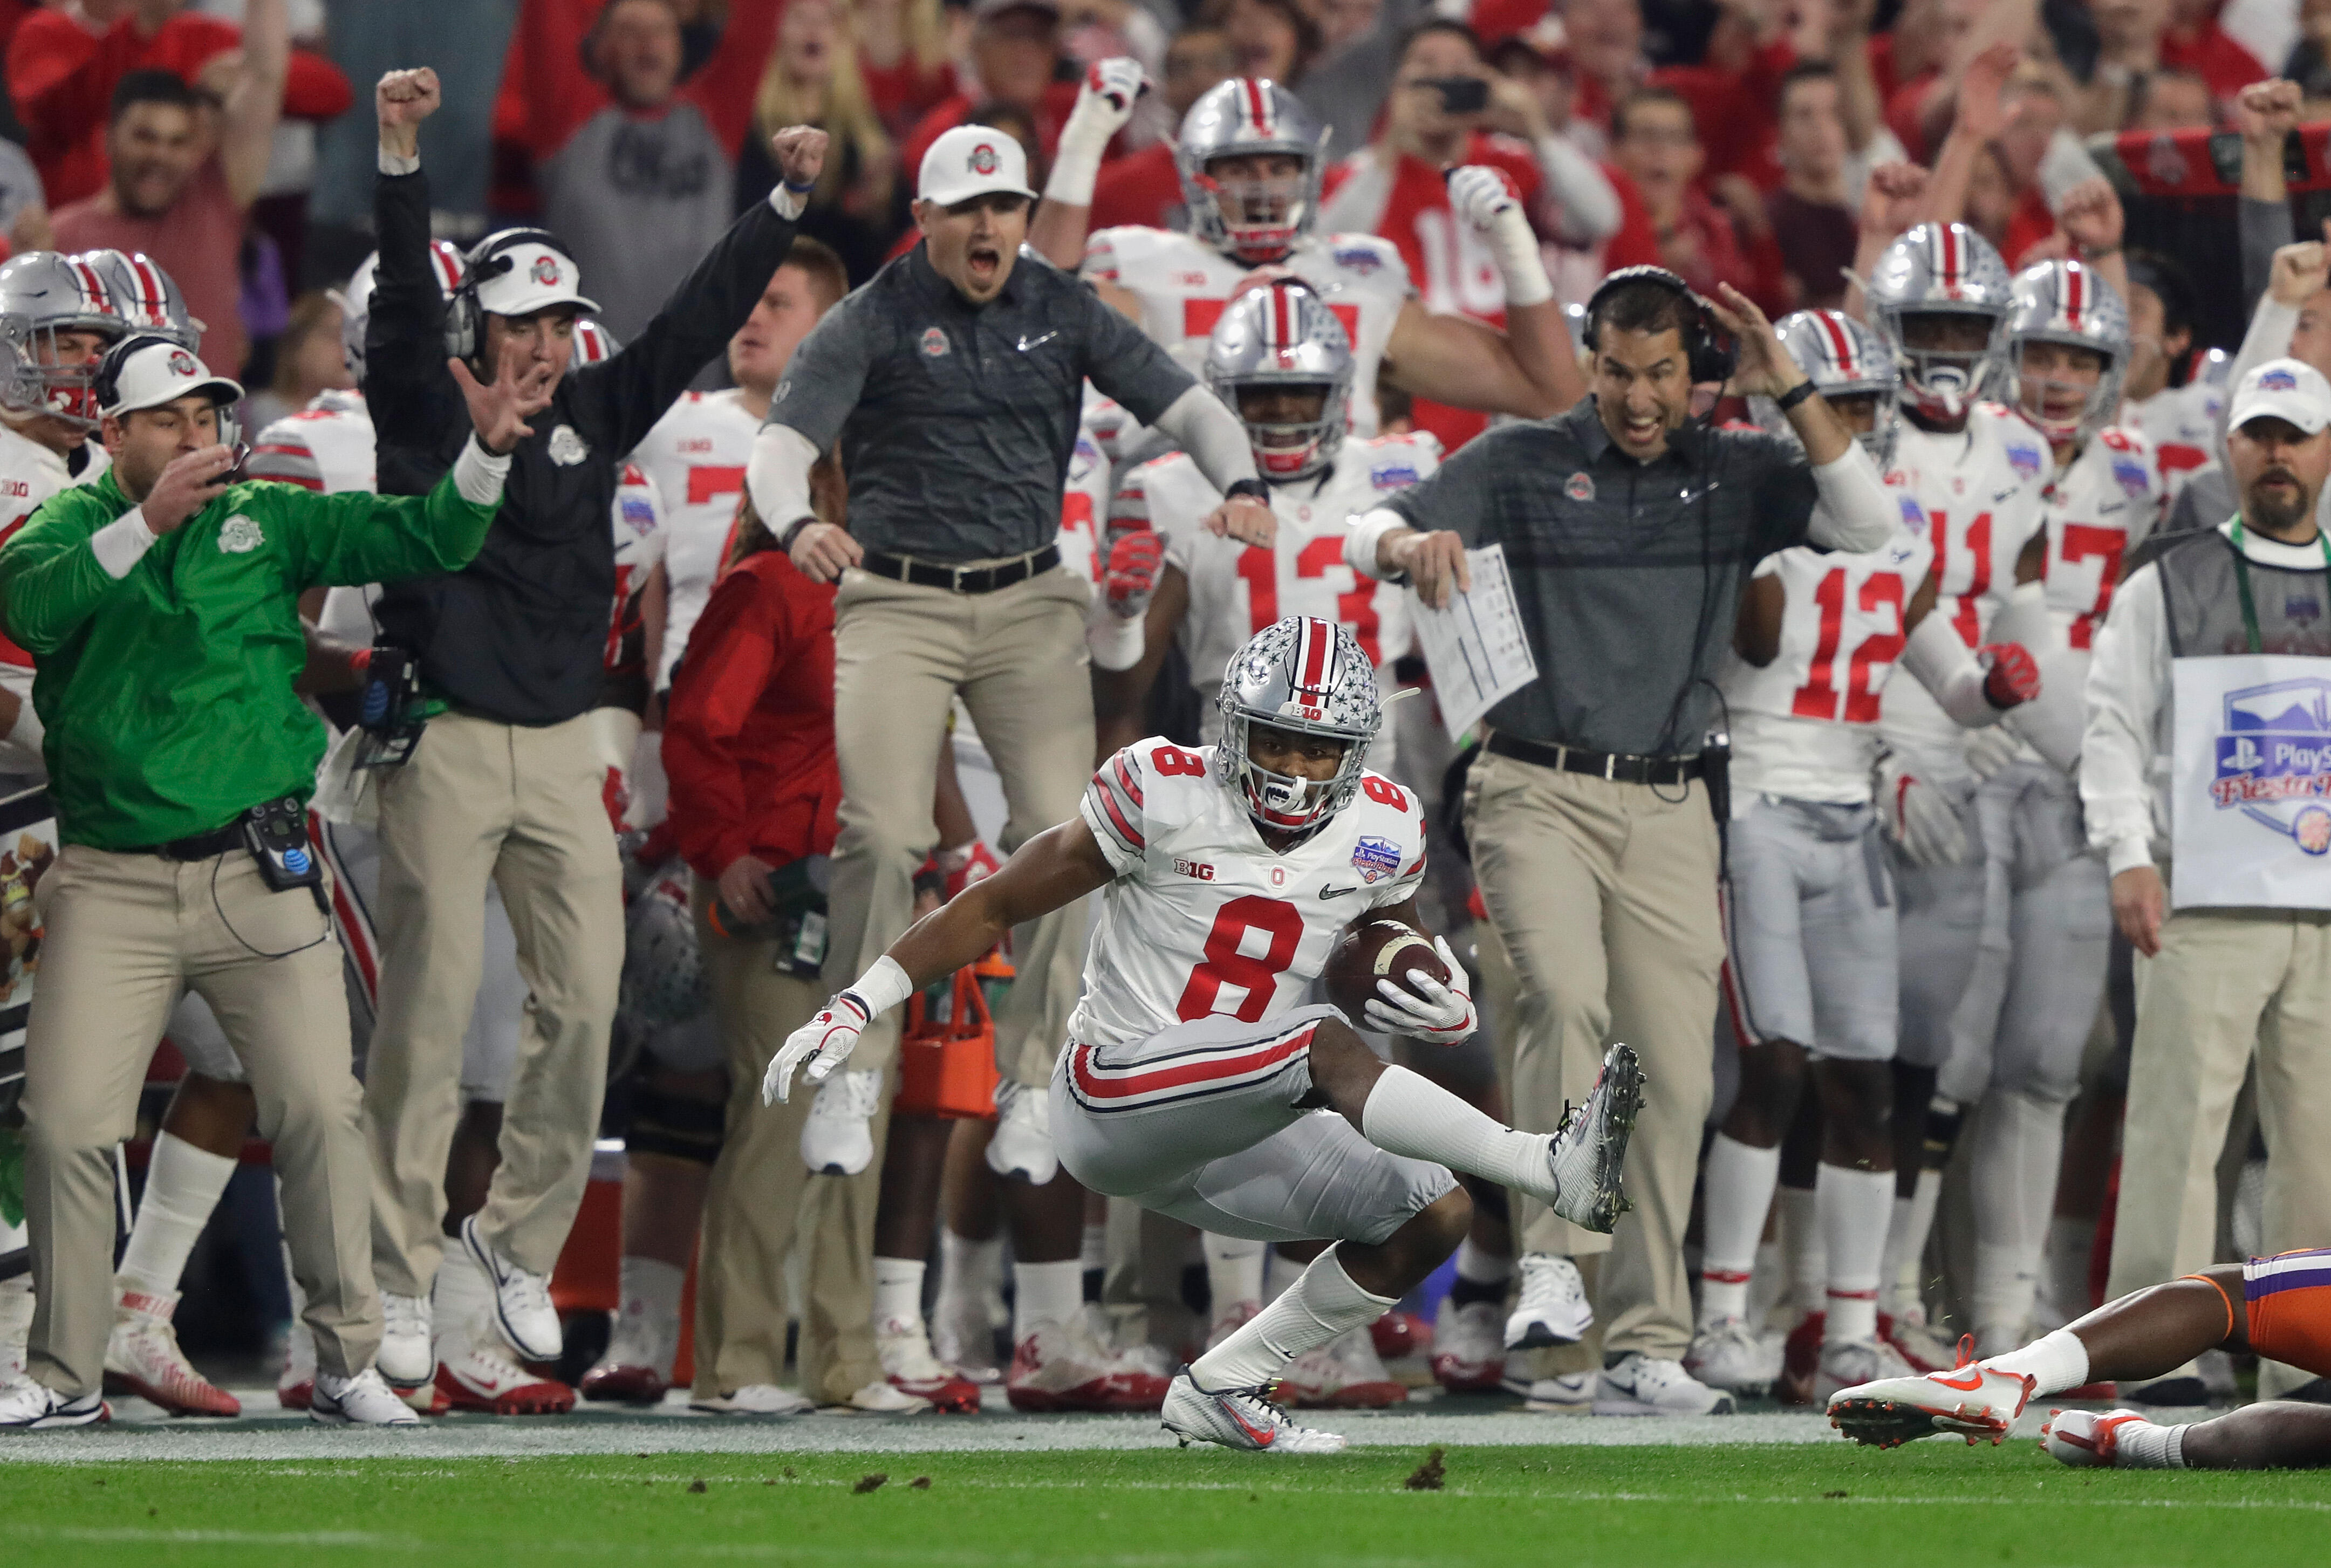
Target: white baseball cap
<point x="972" y="160"/>
<point x="147" y="372"/>
<point x="2286" y="389"/>
<point x="520" y="271"/>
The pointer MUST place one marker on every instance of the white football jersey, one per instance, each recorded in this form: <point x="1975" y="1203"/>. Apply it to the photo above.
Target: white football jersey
<point x="1980" y="489"/>
<point x="2182" y="423"/>
<point x="29" y="473"/>
<point x="326" y="447"/>
<point x="695" y="456"/>
<point x="2096" y="512"/>
<point x="1203" y="917"/>
<point x="1805" y="726"/>
<point x="1184" y="283"/>
<point x="642" y="532"/>
<point x="1084" y="509"/>
<point x="1238" y="590"/>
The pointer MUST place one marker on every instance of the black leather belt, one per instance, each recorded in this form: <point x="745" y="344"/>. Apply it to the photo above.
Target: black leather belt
<point x="961" y="579"/>
<point x="196" y="846"/>
<point x="1617" y="766"/>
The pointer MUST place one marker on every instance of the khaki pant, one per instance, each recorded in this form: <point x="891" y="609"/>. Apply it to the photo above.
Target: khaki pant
<point x="521" y="806"/>
<point x="1604" y="895"/>
<point x="762" y="1201"/>
<point x="125" y="936"/>
<point x="2223" y="979"/>
<point x="901" y="655"/>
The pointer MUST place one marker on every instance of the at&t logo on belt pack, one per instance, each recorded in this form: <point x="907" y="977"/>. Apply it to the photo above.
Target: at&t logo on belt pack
<point x="2273" y="759"/>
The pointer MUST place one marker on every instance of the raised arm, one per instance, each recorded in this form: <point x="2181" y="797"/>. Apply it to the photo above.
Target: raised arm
<point x="1104" y="103"/>
<point x="409" y="396"/>
<point x="254" y="105"/>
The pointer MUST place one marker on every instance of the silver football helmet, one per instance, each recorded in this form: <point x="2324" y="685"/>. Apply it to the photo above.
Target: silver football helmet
<point x="592" y="342"/>
<point x="1941" y="270"/>
<point x="1284" y="337"/>
<point x="1309" y="676"/>
<point x="1845" y="359"/>
<point x="42" y="294"/>
<point x="664" y="979"/>
<point x="355" y="300"/>
<point x="2066" y="302"/>
<point x="1253" y="220"/>
<point x="148" y="299"/>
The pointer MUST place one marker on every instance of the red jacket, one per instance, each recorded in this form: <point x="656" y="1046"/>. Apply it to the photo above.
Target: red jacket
<point x="748" y="734"/>
<point x="61" y="77"/>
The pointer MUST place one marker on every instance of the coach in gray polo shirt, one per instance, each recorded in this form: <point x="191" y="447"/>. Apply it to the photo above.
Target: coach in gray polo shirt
<point x="1628" y="528"/>
<point x="953" y="381"/>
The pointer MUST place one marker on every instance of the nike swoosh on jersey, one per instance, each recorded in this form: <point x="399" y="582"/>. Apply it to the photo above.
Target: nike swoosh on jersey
<point x="1337" y="892"/>
<point x="1027" y="343"/>
<point x="2006" y="494"/>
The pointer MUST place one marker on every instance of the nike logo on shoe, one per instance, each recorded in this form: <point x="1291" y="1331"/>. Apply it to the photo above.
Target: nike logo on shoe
<point x="1970" y="1383"/>
<point x="1026" y="342"/>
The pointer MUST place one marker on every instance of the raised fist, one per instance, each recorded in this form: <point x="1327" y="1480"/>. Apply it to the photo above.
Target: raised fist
<point x="1482" y="195"/>
<point x="1132" y="573"/>
<point x="2014" y="677"/>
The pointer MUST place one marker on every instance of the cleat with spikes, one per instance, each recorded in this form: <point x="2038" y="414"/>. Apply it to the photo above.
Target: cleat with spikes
<point x="1590" y="1148"/>
<point x="1974" y="1401"/>
<point x="1239" y="1418"/>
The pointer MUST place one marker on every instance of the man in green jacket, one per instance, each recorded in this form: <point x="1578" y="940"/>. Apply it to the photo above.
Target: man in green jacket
<point x="161" y="605"/>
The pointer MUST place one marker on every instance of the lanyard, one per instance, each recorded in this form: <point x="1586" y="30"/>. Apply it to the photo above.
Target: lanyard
<point x="2242" y="580"/>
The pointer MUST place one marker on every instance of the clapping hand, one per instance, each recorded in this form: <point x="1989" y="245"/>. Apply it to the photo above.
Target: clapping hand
<point x="499" y="409"/>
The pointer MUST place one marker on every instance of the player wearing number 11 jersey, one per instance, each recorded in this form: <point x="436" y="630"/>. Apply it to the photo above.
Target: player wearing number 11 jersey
<point x="1194" y="1082"/>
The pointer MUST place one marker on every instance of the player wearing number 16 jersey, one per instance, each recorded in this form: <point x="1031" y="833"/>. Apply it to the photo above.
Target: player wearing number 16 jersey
<point x="1194" y="1082"/>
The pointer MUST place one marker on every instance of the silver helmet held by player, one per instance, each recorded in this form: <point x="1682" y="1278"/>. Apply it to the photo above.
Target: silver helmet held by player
<point x="1845" y="360"/>
<point x="1253" y="220"/>
<point x="146" y="297"/>
<point x="1941" y="270"/>
<point x="1283" y="338"/>
<point x="355" y="298"/>
<point x="43" y="293"/>
<point x="1308" y="676"/>
<point x="592" y="342"/>
<point x="2066" y="303"/>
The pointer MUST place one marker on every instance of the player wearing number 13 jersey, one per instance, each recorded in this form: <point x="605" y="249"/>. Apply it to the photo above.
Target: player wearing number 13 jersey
<point x="1194" y="1082"/>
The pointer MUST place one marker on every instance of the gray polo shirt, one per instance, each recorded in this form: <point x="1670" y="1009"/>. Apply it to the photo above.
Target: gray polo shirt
<point x="958" y="421"/>
<point x="1627" y="574"/>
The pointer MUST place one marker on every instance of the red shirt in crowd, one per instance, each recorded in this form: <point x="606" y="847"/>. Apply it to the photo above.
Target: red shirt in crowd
<point x="1736" y="112"/>
<point x="61" y="77"/>
<point x="1052" y="114"/>
<point x="2209" y="54"/>
<point x="198" y="242"/>
<point x="1143" y="187"/>
<point x="748" y="734"/>
<point x="903" y="91"/>
<point x="1706" y="249"/>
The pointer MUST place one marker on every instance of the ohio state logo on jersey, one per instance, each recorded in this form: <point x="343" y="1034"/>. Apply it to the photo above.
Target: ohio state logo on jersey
<point x="935" y="343"/>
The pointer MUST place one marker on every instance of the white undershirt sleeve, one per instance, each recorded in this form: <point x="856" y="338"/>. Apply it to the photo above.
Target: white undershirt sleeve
<point x="122" y="542"/>
<point x="2128" y="680"/>
<point x="776" y="477"/>
<point x="1201" y="425"/>
<point x="1858" y="513"/>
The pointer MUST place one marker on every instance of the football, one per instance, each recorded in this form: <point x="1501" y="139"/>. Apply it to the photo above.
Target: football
<point x="1374" y="949"/>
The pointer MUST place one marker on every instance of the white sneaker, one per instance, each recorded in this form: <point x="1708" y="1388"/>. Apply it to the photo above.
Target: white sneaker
<point x="142" y="1357"/>
<point x="2082" y="1438"/>
<point x="365" y="1400"/>
<point x="1590" y="1145"/>
<point x="1552" y="1309"/>
<point x="32" y="1407"/>
<point x="1727" y="1353"/>
<point x="1345" y="1373"/>
<point x="1469" y="1346"/>
<point x="754" y="1398"/>
<point x="904" y="1347"/>
<point x="1855" y="1363"/>
<point x="963" y="1337"/>
<point x="522" y="1307"/>
<point x="1653" y="1385"/>
<point x="1069" y="1366"/>
<point x="1239" y="1418"/>
<point x="408" y="1341"/>
<point x="1023" y="1143"/>
<point x="1974" y="1402"/>
<point x="474" y="1375"/>
<point x="884" y="1398"/>
<point x="295" y="1384"/>
<point x="637" y="1366"/>
<point x="1566" y="1394"/>
<point x="838" y="1139"/>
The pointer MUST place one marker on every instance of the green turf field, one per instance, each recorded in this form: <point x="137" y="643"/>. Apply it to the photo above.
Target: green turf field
<point x="1642" y="1507"/>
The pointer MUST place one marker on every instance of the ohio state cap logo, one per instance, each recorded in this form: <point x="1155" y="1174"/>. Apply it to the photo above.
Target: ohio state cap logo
<point x="984" y="160"/>
<point x="545" y="271"/>
<point x="182" y="364"/>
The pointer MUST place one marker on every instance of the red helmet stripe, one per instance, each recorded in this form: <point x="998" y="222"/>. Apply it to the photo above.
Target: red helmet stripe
<point x="92" y="286"/>
<point x="1281" y="326"/>
<point x="1840" y="345"/>
<point x="149" y="286"/>
<point x="1949" y="240"/>
<point x="448" y="265"/>
<point x="1258" y="106"/>
<point x="1316" y="647"/>
<point x="2075" y="290"/>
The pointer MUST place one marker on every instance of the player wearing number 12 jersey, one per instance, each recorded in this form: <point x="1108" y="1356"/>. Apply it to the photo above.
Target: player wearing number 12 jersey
<point x="1194" y="1082"/>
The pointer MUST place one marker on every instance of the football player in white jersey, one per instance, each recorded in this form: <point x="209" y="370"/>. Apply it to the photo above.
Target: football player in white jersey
<point x="1251" y="160"/>
<point x="1812" y="969"/>
<point x="2039" y="977"/>
<point x="1193" y="1081"/>
<point x="1940" y="294"/>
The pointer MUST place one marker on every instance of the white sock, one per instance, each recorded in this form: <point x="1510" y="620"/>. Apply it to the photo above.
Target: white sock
<point x="1408" y="1114"/>
<point x="461" y="1308"/>
<point x="1479" y="1266"/>
<point x="1045" y="1293"/>
<point x="2147" y="1447"/>
<point x="183" y="1184"/>
<point x="2019" y="1142"/>
<point x="1233" y="1272"/>
<point x="1905" y="1284"/>
<point x="2071" y="1245"/>
<point x="1801" y="1245"/>
<point x="650" y="1291"/>
<point x="1092" y="1247"/>
<point x="1739" y="1194"/>
<point x="16" y="1322"/>
<point x="1853" y="1207"/>
<point x="1323" y="1304"/>
<point x="897" y="1290"/>
<point x="2055" y="1362"/>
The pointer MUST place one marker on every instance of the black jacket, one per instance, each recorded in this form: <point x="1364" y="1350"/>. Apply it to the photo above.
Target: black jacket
<point x="520" y="633"/>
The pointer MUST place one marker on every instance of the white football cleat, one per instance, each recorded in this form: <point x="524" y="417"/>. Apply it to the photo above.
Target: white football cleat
<point x="408" y="1341"/>
<point x="1973" y="1402"/>
<point x="1855" y="1363"/>
<point x="883" y="1398"/>
<point x="295" y="1384"/>
<point x="522" y="1307"/>
<point x="142" y="1357"/>
<point x="1469" y="1347"/>
<point x="837" y="1139"/>
<point x="1925" y="1350"/>
<point x="1552" y="1307"/>
<point x="637" y="1366"/>
<point x="1239" y="1418"/>
<point x="904" y="1347"/>
<point x="1023" y="1143"/>
<point x="1345" y="1373"/>
<point x="754" y="1398"/>
<point x="474" y="1375"/>
<point x="1590" y="1148"/>
<point x="27" y="1406"/>
<point x="963" y="1336"/>
<point x="365" y="1400"/>
<point x="1653" y="1385"/>
<point x="1069" y="1366"/>
<point x="2083" y="1437"/>
<point x="1730" y="1354"/>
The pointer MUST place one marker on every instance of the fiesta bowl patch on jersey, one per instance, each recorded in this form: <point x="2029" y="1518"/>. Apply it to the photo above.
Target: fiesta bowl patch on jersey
<point x="1376" y="859"/>
<point x="2025" y="460"/>
<point x="2131" y="476"/>
<point x="1396" y="475"/>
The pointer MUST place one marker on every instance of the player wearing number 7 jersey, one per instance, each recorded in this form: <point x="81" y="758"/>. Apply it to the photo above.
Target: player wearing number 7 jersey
<point x="1194" y="1082"/>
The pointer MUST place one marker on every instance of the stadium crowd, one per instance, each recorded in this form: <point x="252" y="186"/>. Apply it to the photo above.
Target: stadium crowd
<point x="737" y="685"/>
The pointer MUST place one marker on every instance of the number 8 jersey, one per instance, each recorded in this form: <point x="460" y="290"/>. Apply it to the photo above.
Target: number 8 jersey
<point x="1203" y="917"/>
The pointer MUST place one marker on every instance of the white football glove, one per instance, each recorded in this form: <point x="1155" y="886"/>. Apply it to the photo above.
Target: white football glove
<point x="1481" y="195"/>
<point x="1425" y="1009"/>
<point x="1992" y="749"/>
<point x="1918" y="816"/>
<point x="1105" y="101"/>
<point x="825" y="1042"/>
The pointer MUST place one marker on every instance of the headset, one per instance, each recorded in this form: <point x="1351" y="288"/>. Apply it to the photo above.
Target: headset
<point x="106" y="386"/>
<point x="465" y="316"/>
<point x="1709" y="352"/>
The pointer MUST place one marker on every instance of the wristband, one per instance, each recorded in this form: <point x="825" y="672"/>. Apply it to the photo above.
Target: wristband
<point x="1795" y="395"/>
<point x="1520" y="265"/>
<point x="882" y="987"/>
<point x="1253" y="489"/>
